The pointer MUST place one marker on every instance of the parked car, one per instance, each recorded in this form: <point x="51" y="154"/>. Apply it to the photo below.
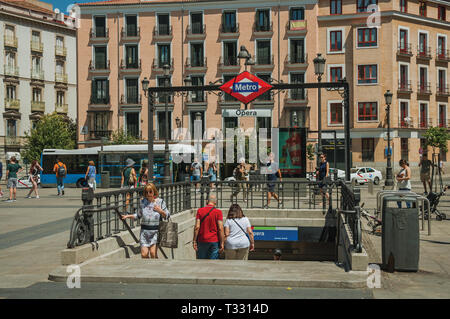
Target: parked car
<point x="340" y="175"/>
<point x="362" y="175"/>
<point x="24" y="182"/>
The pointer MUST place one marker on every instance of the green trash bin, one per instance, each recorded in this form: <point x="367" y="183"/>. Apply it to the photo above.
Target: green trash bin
<point x="105" y="182"/>
<point x="400" y="234"/>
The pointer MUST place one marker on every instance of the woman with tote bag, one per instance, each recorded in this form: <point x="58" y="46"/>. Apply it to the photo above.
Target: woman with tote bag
<point x="238" y="234"/>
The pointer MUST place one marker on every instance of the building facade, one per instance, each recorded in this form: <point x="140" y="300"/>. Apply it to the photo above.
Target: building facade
<point x="38" y="69"/>
<point x="121" y="42"/>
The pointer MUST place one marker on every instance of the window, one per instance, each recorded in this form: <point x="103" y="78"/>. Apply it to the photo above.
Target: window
<point x="100" y="91"/>
<point x="442" y="47"/>
<point x="404" y="148"/>
<point x="266" y="96"/>
<point x="228" y="97"/>
<point x="264" y="122"/>
<point x="35" y="38"/>
<point x="60" y="42"/>
<point x="423" y="78"/>
<point x="363" y="4"/>
<point x="229" y="21"/>
<point x="100" y="27"/>
<point x="336" y="113"/>
<point x="335" y="74"/>
<point x="163" y="24"/>
<point x="442" y="115"/>
<point x="132" y="59"/>
<point x="162" y="82"/>
<point x="367" y="37"/>
<point x="230" y="123"/>
<point x="163" y="54"/>
<point x="298" y="118"/>
<point x="10" y="59"/>
<point x="197" y="96"/>
<point x="297" y="51"/>
<point x="422" y="9"/>
<point x="36" y="66"/>
<point x="296" y="14"/>
<point x="60" y="97"/>
<point x="441" y="13"/>
<point x="100" y="125"/>
<point x="263" y="20"/>
<point x="335" y="6"/>
<point x="297" y="94"/>
<point x="367" y="74"/>
<point x="404" y="114"/>
<point x="9" y="32"/>
<point x="100" y="57"/>
<point x="11" y="128"/>
<point x="404" y="6"/>
<point x="193" y="117"/>
<point x="11" y="92"/>
<point x="37" y="95"/>
<point x="423" y="115"/>
<point x="263" y="55"/>
<point x="230" y="53"/>
<point x="404" y="77"/>
<point x="442" y="85"/>
<point x="131" y="22"/>
<point x="335" y="40"/>
<point x="132" y="91"/>
<point x="404" y="40"/>
<point x="423" y="43"/>
<point x="368" y="149"/>
<point x="367" y="111"/>
<point x="162" y="124"/>
<point x="197" y="23"/>
<point x="197" y="55"/>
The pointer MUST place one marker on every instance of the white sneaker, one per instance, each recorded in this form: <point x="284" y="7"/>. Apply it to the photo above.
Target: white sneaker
<point x="28" y="196"/>
<point x="37" y="197"/>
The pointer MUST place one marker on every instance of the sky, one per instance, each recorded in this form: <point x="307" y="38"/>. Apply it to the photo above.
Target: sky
<point x="63" y="4"/>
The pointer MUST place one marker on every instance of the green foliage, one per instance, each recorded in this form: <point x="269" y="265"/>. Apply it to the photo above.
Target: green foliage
<point x="51" y="131"/>
<point x="121" y="137"/>
<point x="437" y="137"/>
<point x="310" y="151"/>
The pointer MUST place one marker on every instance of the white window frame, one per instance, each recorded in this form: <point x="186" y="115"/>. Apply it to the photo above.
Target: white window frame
<point x="400" y="101"/>
<point x="329" y="66"/>
<point x="342" y="29"/>
<point x="408" y="33"/>
<point x="356" y="37"/>
<point x="256" y="47"/>
<point x="368" y="121"/>
<point x="428" y="111"/>
<point x="368" y="84"/>
<point x="445" y="77"/>
<point x="446" y="112"/>
<point x="170" y="122"/>
<point x="329" y="102"/>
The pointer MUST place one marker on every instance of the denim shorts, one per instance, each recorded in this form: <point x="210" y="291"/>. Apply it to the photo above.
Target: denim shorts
<point x="12" y="183"/>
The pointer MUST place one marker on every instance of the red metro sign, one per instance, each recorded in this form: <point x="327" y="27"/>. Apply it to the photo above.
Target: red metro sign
<point x="246" y="87"/>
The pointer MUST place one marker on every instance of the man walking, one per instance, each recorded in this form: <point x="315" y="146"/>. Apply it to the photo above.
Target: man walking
<point x="11" y="175"/>
<point x="60" y="170"/>
<point x="241" y="174"/>
<point x="425" y="165"/>
<point x="209" y="236"/>
<point x="197" y="172"/>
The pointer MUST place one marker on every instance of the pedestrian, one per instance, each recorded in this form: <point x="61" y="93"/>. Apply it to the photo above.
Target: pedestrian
<point x="197" y="172"/>
<point x="152" y="210"/>
<point x="143" y="174"/>
<point x="209" y="236"/>
<point x="425" y="165"/>
<point x="60" y="170"/>
<point x="11" y="175"/>
<point x="1" y="175"/>
<point x="239" y="238"/>
<point x="323" y="174"/>
<point x="240" y="173"/>
<point x="212" y="173"/>
<point x="128" y="179"/>
<point x="35" y="169"/>
<point x="271" y="178"/>
<point x="404" y="180"/>
<point x="277" y="254"/>
<point x="91" y="172"/>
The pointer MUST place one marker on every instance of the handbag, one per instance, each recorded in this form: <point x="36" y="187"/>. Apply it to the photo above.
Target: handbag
<point x="167" y="232"/>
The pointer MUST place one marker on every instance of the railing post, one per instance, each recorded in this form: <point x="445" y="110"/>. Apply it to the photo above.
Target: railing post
<point x="87" y="196"/>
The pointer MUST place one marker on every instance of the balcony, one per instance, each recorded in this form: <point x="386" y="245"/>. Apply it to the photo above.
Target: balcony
<point x="264" y="100"/>
<point x="196" y="65"/>
<point x="425" y="123"/>
<point x="99" y="67"/>
<point x="296" y="97"/>
<point x="298" y="62"/>
<point x="37" y="106"/>
<point x="196" y="31"/>
<point x="443" y="123"/>
<point x="424" y="53"/>
<point x="263" y="30"/>
<point x="12" y="104"/>
<point x="157" y="65"/>
<point x="99" y="100"/>
<point x="264" y="62"/>
<point x="227" y="101"/>
<point x="99" y="35"/>
<point x="443" y="56"/>
<point x="130" y="100"/>
<point x="61" y="78"/>
<point x="296" y="27"/>
<point x="229" y="31"/>
<point x="406" y="122"/>
<point x="10" y="41"/>
<point x="62" y="108"/>
<point x="442" y="90"/>
<point x="129" y="68"/>
<point x="11" y="70"/>
<point x="162" y="32"/>
<point x="229" y="64"/>
<point x="12" y="141"/>
<point x="130" y="35"/>
<point x="97" y="135"/>
<point x="424" y="88"/>
<point x="37" y="46"/>
<point x="404" y="87"/>
<point x="60" y="51"/>
<point x="37" y="75"/>
<point x="404" y="49"/>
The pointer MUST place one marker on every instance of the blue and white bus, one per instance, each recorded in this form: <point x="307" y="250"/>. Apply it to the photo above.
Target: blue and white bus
<point x="109" y="159"/>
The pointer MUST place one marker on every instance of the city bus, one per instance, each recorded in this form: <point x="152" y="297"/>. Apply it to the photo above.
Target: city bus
<point x="110" y="158"/>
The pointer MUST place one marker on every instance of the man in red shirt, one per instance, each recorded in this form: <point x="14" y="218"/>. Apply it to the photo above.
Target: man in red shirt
<point x="209" y="237"/>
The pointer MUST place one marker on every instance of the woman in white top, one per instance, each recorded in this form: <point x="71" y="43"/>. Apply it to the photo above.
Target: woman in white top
<point x="404" y="180"/>
<point x="238" y="234"/>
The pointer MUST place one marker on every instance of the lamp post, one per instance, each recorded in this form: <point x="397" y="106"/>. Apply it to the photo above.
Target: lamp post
<point x="319" y="66"/>
<point x="145" y="85"/>
<point x="388" y="99"/>
<point x="167" y="179"/>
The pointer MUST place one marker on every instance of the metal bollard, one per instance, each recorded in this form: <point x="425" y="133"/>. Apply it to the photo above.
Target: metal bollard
<point x="87" y="196"/>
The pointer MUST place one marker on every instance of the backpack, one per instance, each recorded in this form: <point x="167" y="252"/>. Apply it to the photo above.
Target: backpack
<point x="61" y="171"/>
<point x="130" y="176"/>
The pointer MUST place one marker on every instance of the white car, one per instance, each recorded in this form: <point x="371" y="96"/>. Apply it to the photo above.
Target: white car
<point x="340" y="175"/>
<point x="24" y="182"/>
<point x="362" y="175"/>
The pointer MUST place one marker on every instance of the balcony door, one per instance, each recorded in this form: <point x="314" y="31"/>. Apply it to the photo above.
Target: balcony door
<point x="132" y="91"/>
<point x="132" y="124"/>
<point x="163" y="54"/>
<point x="11" y="128"/>
<point x="132" y="60"/>
<point x="230" y="53"/>
<point x="442" y="115"/>
<point x="423" y="79"/>
<point x="197" y="23"/>
<point x="441" y="80"/>
<point x="297" y="94"/>
<point x="297" y="51"/>
<point x="229" y="21"/>
<point x="441" y="47"/>
<point x="263" y="20"/>
<point x="197" y="55"/>
<point x="163" y="24"/>
<point x="100" y="27"/>
<point x="263" y="52"/>
<point x="100" y="57"/>
<point x="403" y="40"/>
<point x="423" y="113"/>
<point x="131" y="22"/>
<point x="404" y="114"/>
<point x="422" y="43"/>
<point x="197" y="96"/>
<point x="403" y="76"/>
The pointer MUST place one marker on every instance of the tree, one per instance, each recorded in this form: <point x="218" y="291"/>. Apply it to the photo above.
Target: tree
<point x="437" y="137"/>
<point x="51" y="131"/>
<point x="121" y="137"/>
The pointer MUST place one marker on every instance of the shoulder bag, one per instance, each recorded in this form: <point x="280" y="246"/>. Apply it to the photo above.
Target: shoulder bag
<point x="248" y="237"/>
<point x="167" y="231"/>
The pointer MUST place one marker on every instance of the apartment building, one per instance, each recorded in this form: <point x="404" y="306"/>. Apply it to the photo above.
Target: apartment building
<point x="38" y="69"/>
<point x="121" y="42"/>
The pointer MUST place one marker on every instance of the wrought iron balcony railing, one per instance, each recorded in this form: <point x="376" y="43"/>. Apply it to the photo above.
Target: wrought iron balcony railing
<point x="197" y="97"/>
<point x="37" y="46"/>
<point x="131" y="100"/>
<point x="158" y="64"/>
<point x="424" y="52"/>
<point x="162" y="30"/>
<point x="404" y="87"/>
<point x="196" y="63"/>
<point x="126" y="33"/>
<point x="229" y="28"/>
<point x="265" y="60"/>
<point x="133" y="65"/>
<point x="231" y="61"/>
<point x="442" y="90"/>
<point x="425" y="123"/>
<point x="404" y="49"/>
<point x="296" y="59"/>
<point x="37" y="74"/>
<point x="423" y="88"/>
<point x="98" y="134"/>
<point x="99" y="34"/>
<point x="266" y="27"/>
<point x="296" y="26"/>
<point x="443" y="123"/>
<point x="406" y="122"/>
<point x="443" y="55"/>
<point x="99" y="66"/>
<point x="196" y="29"/>
<point x="99" y="100"/>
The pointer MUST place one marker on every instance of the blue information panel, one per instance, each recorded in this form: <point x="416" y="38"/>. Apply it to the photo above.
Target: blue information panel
<point x="276" y="233"/>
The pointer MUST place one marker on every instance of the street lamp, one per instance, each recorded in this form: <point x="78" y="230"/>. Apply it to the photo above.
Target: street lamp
<point x="245" y="55"/>
<point x="319" y="66"/>
<point x="388" y="99"/>
<point x="145" y="86"/>
<point x="167" y="179"/>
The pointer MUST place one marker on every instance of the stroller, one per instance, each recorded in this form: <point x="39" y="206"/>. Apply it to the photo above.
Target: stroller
<point x="434" y="201"/>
